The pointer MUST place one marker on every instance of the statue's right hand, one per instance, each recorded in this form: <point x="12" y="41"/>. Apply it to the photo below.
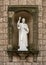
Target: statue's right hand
<point x="20" y="18"/>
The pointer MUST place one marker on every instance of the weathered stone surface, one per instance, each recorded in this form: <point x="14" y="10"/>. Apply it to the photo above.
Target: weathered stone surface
<point x="44" y="36"/>
<point x="1" y="19"/>
<point x="40" y="42"/>
<point x="39" y="25"/>
<point x="3" y="36"/>
<point x="31" y="2"/>
<point x="44" y="53"/>
<point x="18" y="63"/>
<point x="3" y="25"/>
<point x="16" y="59"/>
<point x="3" y="48"/>
<point x="5" y="13"/>
<point x="14" y="2"/>
<point x="44" y="47"/>
<point x="44" y="9"/>
<point x="44" y="63"/>
<point x="3" y="30"/>
<point x="38" y="2"/>
<point x="10" y="63"/>
<point x="3" y="42"/>
<point x="5" y="19"/>
<point x="40" y="30"/>
<point x="1" y="63"/>
<point x="40" y="53"/>
<point x="40" y="19"/>
<point x="39" y="36"/>
<point x="44" y="2"/>
<point x="22" y="2"/>
<point x="44" y="42"/>
<point x="39" y="59"/>
<point x="44" y="31"/>
<point x="35" y="63"/>
<point x="30" y="59"/>
<point x="44" y="58"/>
<point x="6" y="2"/>
<point x="1" y="2"/>
<point x="27" y="63"/>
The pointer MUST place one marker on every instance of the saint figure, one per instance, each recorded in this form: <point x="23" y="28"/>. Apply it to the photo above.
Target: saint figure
<point x="23" y="34"/>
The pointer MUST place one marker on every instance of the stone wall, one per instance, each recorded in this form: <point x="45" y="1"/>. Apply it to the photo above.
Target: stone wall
<point x="41" y="60"/>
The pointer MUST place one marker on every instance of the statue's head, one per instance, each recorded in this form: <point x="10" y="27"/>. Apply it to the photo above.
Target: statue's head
<point x="23" y="20"/>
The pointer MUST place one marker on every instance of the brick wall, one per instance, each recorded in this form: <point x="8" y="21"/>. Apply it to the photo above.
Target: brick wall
<point x="41" y="60"/>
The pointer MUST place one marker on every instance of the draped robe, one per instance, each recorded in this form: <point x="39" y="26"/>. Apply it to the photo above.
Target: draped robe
<point x="23" y="36"/>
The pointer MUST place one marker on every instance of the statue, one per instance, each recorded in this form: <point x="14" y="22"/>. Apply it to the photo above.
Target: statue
<point x="23" y="33"/>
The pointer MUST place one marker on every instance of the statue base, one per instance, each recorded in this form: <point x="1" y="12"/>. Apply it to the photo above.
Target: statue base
<point x="22" y="49"/>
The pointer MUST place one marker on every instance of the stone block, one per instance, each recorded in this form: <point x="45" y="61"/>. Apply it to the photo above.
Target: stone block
<point x="30" y="2"/>
<point x="39" y="25"/>
<point x="6" y="59"/>
<point x="18" y="63"/>
<point x="40" y="13"/>
<point x="3" y="36"/>
<point x="5" y="8"/>
<point x="35" y="63"/>
<point x="44" y="42"/>
<point x="44" y="25"/>
<point x="40" y="53"/>
<point x="29" y="59"/>
<point x="44" y="2"/>
<point x="44" y="16"/>
<point x="1" y="2"/>
<point x="44" y="36"/>
<point x="16" y="59"/>
<point x="22" y="2"/>
<point x="6" y="2"/>
<point x="3" y="25"/>
<point x="38" y="2"/>
<point x="13" y="2"/>
<point x="44" y="9"/>
<point x="1" y="19"/>
<point x="3" y="30"/>
<point x="10" y="63"/>
<point x="27" y="63"/>
<point x="44" y="31"/>
<point x="44" y="63"/>
<point x="44" y="53"/>
<point x="1" y="63"/>
<point x="40" y="19"/>
<point x="3" y="42"/>
<point x="44" y="47"/>
<point x="40" y="36"/>
<point x="40" y="8"/>
<point x="39" y="59"/>
<point x="5" y="14"/>
<point x="40" y="42"/>
<point x="3" y="48"/>
<point x="44" y="58"/>
<point x="5" y="19"/>
<point x="40" y="47"/>
<point x="40" y="30"/>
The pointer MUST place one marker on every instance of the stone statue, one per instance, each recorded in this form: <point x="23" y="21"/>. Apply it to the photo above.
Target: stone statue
<point x="23" y="33"/>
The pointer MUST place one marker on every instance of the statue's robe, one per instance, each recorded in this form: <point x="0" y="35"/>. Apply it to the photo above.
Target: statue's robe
<point x="23" y="37"/>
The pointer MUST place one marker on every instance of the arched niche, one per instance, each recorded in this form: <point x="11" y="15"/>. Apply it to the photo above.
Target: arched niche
<point x="31" y="15"/>
<point x="29" y="21"/>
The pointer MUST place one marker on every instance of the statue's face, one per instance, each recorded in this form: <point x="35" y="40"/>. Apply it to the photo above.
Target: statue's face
<point x="23" y="20"/>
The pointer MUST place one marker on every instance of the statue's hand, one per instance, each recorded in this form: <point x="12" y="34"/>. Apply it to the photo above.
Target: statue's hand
<point x="20" y="18"/>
